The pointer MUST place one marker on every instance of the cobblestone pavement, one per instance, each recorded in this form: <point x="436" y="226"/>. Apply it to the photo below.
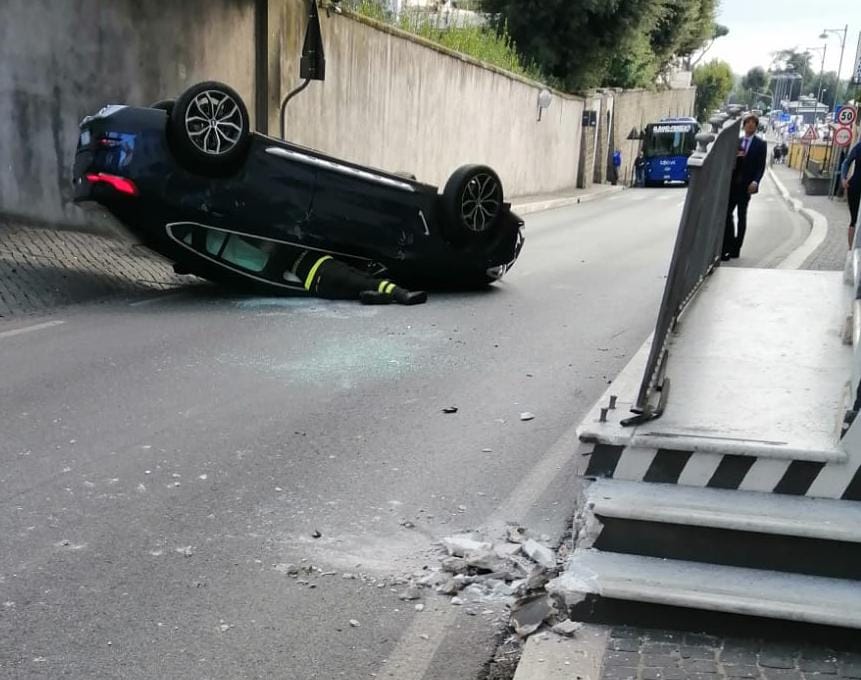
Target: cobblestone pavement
<point x="638" y="654"/>
<point x="831" y="254"/>
<point x="43" y="268"/>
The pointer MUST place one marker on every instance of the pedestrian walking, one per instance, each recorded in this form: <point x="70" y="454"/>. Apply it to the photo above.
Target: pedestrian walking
<point x="749" y="168"/>
<point x="852" y="185"/>
<point x="617" y="164"/>
<point x="640" y="169"/>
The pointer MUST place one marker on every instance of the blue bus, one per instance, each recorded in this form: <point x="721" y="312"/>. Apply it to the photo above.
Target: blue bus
<point x="666" y="147"/>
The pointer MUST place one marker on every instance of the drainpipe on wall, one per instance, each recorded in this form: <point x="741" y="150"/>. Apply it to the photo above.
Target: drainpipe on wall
<point x="261" y="65"/>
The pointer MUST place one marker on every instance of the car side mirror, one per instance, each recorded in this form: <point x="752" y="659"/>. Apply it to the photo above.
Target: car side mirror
<point x="313" y="63"/>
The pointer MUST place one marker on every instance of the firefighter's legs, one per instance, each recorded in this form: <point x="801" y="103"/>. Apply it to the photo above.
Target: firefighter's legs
<point x="330" y="278"/>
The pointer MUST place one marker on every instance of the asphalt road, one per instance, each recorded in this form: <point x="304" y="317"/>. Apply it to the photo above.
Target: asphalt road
<point x="161" y="460"/>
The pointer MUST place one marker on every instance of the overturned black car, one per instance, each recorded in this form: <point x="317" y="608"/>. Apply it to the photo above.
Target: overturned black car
<point x="192" y="180"/>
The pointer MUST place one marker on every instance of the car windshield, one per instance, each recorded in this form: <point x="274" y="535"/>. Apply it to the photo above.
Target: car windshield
<point x="669" y="140"/>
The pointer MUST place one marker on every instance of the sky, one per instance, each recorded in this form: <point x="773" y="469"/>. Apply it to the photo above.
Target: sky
<point x="756" y="29"/>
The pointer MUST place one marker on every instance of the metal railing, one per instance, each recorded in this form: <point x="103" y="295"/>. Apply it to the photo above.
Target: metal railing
<point x="696" y="253"/>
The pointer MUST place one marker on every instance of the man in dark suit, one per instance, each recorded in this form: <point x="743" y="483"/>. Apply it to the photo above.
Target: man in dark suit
<point x="749" y="169"/>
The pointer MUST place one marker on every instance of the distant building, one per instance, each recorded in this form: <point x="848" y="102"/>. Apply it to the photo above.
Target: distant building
<point x="807" y="109"/>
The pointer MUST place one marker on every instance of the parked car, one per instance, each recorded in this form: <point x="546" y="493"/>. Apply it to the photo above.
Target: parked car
<point x="192" y="180"/>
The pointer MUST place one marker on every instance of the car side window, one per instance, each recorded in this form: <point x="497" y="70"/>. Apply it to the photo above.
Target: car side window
<point x="245" y="252"/>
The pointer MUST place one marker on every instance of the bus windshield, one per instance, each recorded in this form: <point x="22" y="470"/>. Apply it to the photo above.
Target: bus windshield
<point x="669" y="139"/>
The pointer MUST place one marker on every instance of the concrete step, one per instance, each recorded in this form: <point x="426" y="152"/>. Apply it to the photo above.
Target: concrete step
<point x="748" y="511"/>
<point x="733" y="590"/>
<point x="817" y="537"/>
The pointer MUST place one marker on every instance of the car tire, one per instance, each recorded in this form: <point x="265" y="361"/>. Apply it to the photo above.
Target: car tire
<point x="210" y="129"/>
<point x="472" y="203"/>
<point x="164" y="105"/>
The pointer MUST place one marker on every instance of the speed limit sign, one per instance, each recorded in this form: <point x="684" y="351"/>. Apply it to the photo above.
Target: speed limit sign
<point x="847" y="115"/>
<point x="843" y="135"/>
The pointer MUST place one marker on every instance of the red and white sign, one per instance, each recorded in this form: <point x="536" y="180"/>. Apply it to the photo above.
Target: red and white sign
<point x="843" y="135"/>
<point x="847" y="115"/>
<point x="810" y="134"/>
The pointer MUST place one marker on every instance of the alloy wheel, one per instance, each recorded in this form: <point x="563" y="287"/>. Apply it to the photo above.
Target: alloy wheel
<point x="214" y="122"/>
<point x="480" y="202"/>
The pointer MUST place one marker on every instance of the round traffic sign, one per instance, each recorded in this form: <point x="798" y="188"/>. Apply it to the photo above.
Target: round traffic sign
<point x="843" y="136"/>
<point x="847" y="115"/>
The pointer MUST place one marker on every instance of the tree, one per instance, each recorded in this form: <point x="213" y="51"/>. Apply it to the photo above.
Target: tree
<point x="794" y="62"/>
<point x="756" y="79"/>
<point x="714" y="82"/>
<point x="716" y="31"/>
<point x="589" y="43"/>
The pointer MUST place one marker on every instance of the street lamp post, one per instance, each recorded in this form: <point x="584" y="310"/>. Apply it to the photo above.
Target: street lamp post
<point x="837" y="32"/>
<point x="824" y="49"/>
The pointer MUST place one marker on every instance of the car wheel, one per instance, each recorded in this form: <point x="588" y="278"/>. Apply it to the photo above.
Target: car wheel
<point x="209" y="128"/>
<point x="472" y="202"/>
<point x="164" y="105"/>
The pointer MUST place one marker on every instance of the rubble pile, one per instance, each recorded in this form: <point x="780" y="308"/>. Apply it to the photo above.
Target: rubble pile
<point x="513" y="572"/>
<point x="473" y="570"/>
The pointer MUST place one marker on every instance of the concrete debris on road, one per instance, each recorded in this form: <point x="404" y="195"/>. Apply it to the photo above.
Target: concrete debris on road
<point x="461" y="544"/>
<point x="539" y="553"/>
<point x="354" y="623"/>
<point x="526" y="415"/>
<point x="515" y="534"/>
<point x="528" y="614"/>
<point x="514" y="572"/>
<point x="316" y="534"/>
<point x="567" y="628"/>
<point x="450" y="409"/>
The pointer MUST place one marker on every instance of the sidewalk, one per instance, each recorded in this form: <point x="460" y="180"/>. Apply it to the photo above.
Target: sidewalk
<point x="41" y="269"/>
<point x="524" y="205"/>
<point x="628" y="653"/>
<point x="831" y="254"/>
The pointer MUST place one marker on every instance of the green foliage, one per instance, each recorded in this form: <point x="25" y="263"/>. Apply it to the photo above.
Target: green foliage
<point x="572" y="44"/>
<point x="590" y="43"/>
<point x="793" y="61"/>
<point x="490" y="44"/>
<point x="751" y="90"/>
<point x="714" y="82"/>
<point x="755" y="79"/>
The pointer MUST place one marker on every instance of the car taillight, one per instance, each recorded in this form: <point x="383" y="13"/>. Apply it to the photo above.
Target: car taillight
<point x="121" y="184"/>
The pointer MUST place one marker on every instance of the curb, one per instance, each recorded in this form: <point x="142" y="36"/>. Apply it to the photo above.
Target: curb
<point x="562" y="202"/>
<point x="818" y="227"/>
<point x="547" y="656"/>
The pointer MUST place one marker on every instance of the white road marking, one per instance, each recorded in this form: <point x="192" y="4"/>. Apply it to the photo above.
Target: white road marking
<point x="411" y="658"/>
<point x="28" y="329"/>
<point x="158" y="298"/>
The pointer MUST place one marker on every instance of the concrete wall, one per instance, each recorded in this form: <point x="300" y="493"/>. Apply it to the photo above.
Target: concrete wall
<point x="636" y="108"/>
<point x="395" y="102"/>
<point x="63" y="59"/>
